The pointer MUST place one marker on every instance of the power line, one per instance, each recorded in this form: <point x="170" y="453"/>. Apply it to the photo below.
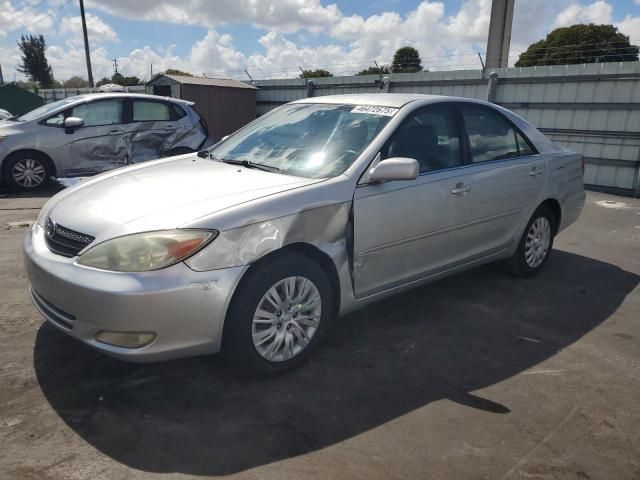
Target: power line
<point x="45" y="15"/>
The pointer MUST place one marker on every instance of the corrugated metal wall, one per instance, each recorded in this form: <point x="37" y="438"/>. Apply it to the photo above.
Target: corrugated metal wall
<point x="593" y="109"/>
<point x="225" y="109"/>
<point x="50" y="95"/>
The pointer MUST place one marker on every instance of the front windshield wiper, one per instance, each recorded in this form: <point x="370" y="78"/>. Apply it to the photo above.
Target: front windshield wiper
<point x="249" y="164"/>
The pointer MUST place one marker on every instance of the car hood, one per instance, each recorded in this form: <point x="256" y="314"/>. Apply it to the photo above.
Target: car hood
<point x="162" y="195"/>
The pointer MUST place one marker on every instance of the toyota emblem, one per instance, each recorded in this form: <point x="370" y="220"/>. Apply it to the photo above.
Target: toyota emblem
<point x="50" y="228"/>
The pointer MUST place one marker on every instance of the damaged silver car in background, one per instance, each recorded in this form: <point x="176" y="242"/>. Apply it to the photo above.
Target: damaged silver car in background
<point x="89" y="134"/>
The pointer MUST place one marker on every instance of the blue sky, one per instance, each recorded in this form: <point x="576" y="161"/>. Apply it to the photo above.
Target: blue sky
<point x="271" y="38"/>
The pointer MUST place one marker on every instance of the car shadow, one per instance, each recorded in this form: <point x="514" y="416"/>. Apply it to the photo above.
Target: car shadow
<point x="440" y="341"/>
<point x="53" y="187"/>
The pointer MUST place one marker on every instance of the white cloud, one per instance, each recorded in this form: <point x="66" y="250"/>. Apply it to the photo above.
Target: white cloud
<point x="26" y="17"/>
<point x="631" y="26"/>
<point x="280" y="15"/>
<point x="98" y="30"/>
<point x="597" y="12"/>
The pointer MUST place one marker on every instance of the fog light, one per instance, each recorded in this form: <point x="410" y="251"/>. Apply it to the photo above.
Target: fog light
<point x="126" y="339"/>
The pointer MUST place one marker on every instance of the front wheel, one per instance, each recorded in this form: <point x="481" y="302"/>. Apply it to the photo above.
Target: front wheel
<point x="26" y="171"/>
<point x="535" y="245"/>
<point x="278" y="315"/>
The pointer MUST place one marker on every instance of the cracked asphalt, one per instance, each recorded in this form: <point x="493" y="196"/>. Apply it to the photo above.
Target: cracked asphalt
<point x="477" y="376"/>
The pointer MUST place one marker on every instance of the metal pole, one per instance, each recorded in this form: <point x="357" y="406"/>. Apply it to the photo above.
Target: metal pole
<point x="499" y="34"/>
<point x="86" y="44"/>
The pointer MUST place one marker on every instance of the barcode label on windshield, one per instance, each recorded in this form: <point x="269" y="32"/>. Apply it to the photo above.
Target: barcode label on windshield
<point x="375" y="110"/>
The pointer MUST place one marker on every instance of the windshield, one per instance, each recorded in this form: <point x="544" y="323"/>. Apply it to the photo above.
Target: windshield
<point x="308" y="140"/>
<point x="46" y="109"/>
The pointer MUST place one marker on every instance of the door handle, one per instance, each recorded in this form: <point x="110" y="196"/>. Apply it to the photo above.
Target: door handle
<point x="170" y="127"/>
<point x="115" y="132"/>
<point x="460" y="188"/>
<point x="535" y="171"/>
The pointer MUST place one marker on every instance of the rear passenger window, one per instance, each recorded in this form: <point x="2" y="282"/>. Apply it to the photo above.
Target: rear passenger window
<point x="430" y="136"/>
<point x="144" y="111"/>
<point x="491" y="137"/>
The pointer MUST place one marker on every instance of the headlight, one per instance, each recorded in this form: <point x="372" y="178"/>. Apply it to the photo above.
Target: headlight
<point x="142" y="252"/>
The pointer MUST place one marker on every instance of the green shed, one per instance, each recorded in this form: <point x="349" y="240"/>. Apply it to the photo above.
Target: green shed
<point x="17" y="100"/>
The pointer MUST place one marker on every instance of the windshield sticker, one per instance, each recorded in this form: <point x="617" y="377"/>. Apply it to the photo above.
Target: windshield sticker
<point x="375" y="110"/>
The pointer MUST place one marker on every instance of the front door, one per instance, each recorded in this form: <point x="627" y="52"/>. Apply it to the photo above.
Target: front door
<point x="404" y="230"/>
<point x="98" y="145"/>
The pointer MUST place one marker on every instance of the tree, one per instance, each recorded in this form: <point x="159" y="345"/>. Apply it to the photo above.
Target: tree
<point x="131" y="80"/>
<point x="33" y="62"/>
<point x="75" y="82"/>
<point x="406" y="60"/>
<point x="118" y="79"/>
<point x="104" y="81"/>
<point x="381" y="70"/>
<point x="180" y="73"/>
<point x="319" y="72"/>
<point x="580" y="44"/>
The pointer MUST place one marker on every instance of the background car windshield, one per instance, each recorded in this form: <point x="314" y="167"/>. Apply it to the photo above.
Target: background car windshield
<point x="45" y="109"/>
<point x="309" y="140"/>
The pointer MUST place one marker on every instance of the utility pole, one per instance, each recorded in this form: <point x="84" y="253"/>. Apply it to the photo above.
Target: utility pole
<point x="1" y="77"/>
<point x="86" y="44"/>
<point x="499" y="34"/>
<point x="115" y="66"/>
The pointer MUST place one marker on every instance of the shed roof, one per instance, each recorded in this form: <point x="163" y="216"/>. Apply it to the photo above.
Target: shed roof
<point x="215" y="82"/>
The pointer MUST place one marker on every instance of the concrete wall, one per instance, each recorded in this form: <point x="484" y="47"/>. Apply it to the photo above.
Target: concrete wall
<point x="593" y="109"/>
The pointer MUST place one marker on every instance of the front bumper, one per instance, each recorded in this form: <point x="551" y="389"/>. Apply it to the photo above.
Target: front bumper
<point x="184" y="308"/>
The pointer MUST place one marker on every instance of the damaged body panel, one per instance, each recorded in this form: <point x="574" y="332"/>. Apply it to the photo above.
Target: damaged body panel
<point x="319" y="207"/>
<point x="94" y="133"/>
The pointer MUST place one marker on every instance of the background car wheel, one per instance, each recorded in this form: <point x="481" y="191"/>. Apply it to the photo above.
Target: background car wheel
<point x="26" y="171"/>
<point x="279" y="314"/>
<point x="535" y="245"/>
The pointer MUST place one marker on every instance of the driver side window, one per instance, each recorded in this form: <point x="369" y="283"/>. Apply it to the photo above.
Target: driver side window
<point x="428" y="135"/>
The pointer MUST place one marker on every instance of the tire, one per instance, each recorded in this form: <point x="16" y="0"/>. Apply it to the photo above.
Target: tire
<point x="276" y="342"/>
<point x="535" y="245"/>
<point x="26" y="171"/>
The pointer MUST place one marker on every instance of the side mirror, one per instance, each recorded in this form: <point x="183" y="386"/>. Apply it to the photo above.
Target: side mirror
<point x="73" y="122"/>
<point x="396" y="168"/>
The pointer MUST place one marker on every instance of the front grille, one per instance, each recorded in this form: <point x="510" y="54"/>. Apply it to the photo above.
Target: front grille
<point x="64" y="241"/>
<point x="51" y="312"/>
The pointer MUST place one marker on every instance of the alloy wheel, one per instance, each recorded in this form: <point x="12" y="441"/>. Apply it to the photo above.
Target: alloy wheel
<point x="537" y="242"/>
<point x="286" y="319"/>
<point x="28" y="173"/>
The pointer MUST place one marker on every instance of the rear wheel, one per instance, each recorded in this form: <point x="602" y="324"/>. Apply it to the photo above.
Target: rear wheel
<point x="26" y="171"/>
<point x="279" y="314"/>
<point x="535" y="245"/>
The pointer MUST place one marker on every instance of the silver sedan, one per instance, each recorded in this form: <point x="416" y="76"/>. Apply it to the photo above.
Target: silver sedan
<point x="318" y="208"/>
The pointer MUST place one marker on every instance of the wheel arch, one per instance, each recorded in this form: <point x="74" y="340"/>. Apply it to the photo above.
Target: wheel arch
<point x="306" y="249"/>
<point x="554" y="205"/>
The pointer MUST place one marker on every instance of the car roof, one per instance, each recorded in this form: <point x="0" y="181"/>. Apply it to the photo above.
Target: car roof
<point x="94" y="96"/>
<point x="395" y="100"/>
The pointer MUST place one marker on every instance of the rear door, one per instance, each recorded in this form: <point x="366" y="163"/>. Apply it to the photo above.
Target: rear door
<point x="506" y="178"/>
<point x="153" y="129"/>
<point x="98" y="145"/>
